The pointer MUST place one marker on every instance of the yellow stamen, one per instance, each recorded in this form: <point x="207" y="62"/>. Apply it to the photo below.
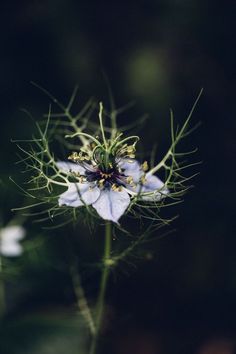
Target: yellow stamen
<point x="145" y="166"/>
<point x="101" y="182"/>
<point x="106" y="175"/>
<point x="130" y="180"/>
<point x="76" y="174"/>
<point x="114" y="187"/>
<point x="143" y="179"/>
<point x="77" y="157"/>
<point x="82" y="179"/>
<point x="130" y="149"/>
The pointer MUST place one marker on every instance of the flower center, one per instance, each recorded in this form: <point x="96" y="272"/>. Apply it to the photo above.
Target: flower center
<point x="102" y="169"/>
<point x="106" y="175"/>
<point x="105" y="180"/>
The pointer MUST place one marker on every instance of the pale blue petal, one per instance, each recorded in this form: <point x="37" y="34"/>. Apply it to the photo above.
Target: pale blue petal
<point x="79" y="194"/>
<point x="67" y="167"/>
<point x="111" y="205"/>
<point x="129" y="164"/>
<point x="131" y="168"/>
<point x="155" y="185"/>
<point x="152" y="183"/>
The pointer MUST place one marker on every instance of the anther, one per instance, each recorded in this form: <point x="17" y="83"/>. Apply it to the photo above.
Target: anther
<point x="145" y="166"/>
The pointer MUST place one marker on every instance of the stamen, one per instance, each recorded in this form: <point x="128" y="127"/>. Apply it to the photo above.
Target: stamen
<point x="143" y="179"/>
<point x="130" y="180"/>
<point x="76" y="174"/>
<point x="145" y="166"/>
<point x="101" y="182"/>
<point x="116" y="188"/>
<point x="78" y="157"/>
<point x="106" y="175"/>
<point x="130" y="149"/>
<point x="82" y="179"/>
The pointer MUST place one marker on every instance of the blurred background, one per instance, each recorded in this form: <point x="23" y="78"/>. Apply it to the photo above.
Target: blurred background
<point x="159" y="53"/>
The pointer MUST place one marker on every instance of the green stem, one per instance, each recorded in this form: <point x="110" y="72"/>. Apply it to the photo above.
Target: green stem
<point x="103" y="285"/>
<point x="2" y="292"/>
<point x="80" y="295"/>
<point x="82" y="300"/>
<point x="101" y="124"/>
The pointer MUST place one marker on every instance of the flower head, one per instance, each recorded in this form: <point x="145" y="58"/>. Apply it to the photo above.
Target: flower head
<point x="106" y="176"/>
<point x="103" y="171"/>
<point x="9" y="240"/>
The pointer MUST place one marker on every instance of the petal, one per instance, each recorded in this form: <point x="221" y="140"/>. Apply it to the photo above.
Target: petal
<point x="129" y="164"/>
<point x="111" y="205"/>
<point x="67" y="167"/>
<point x="79" y="194"/>
<point x="152" y="182"/>
<point x="9" y="238"/>
<point x="131" y="168"/>
<point x="11" y="249"/>
<point x="155" y="185"/>
<point x="12" y="233"/>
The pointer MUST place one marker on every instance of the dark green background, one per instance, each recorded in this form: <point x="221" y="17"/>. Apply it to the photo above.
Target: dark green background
<point x="159" y="53"/>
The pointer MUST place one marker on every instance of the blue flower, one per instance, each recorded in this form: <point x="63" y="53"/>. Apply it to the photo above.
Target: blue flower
<point x="109" y="191"/>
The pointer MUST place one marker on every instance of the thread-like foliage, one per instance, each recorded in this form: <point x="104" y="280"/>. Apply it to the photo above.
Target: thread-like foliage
<point x="94" y="142"/>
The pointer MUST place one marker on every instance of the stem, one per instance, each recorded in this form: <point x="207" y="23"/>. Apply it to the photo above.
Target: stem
<point x="83" y="134"/>
<point x="2" y="292"/>
<point x="101" y="124"/>
<point x="81" y="300"/>
<point x="103" y="285"/>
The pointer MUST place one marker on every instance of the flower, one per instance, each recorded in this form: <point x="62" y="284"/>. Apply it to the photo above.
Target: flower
<point x="9" y="240"/>
<point x="107" y="182"/>
<point x="106" y="175"/>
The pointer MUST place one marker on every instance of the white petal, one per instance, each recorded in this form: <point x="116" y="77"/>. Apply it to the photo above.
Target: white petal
<point x="111" y="205"/>
<point x="67" y="167"/>
<point x="131" y="168"/>
<point x="9" y="240"/>
<point x="11" y="249"/>
<point x="12" y="233"/>
<point x="79" y="194"/>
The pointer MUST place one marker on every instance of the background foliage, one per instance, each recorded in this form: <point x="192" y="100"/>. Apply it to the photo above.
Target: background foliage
<point x="158" y="53"/>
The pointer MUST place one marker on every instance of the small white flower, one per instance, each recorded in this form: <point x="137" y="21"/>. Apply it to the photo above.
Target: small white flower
<point x="109" y="191"/>
<point x="9" y="240"/>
